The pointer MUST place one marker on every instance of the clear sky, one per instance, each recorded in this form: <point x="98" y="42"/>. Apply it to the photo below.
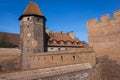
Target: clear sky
<point x="62" y="15"/>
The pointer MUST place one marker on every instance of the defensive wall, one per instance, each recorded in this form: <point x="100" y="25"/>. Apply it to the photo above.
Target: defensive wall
<point x="8" y="58"/>
<point x="104" y="37"/>
<point x="64" y="65"/>
<point x="53" y="59"/>
<point x="45" y="60"/>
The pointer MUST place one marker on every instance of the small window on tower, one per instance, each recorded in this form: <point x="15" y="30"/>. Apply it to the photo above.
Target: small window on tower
<point x="28" y="18"/>
<point x="38" y="19"/>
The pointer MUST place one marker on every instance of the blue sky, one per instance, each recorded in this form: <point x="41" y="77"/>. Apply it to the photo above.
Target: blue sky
<point x="62" y="15"/>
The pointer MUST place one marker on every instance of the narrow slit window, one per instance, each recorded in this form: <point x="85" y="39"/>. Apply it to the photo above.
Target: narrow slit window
<point x="73" y="57"/>
<point x="62" y="58"/>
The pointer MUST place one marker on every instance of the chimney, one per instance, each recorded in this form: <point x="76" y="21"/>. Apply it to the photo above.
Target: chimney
<point x="71" y="34"/>
<point x="47" y="31"/>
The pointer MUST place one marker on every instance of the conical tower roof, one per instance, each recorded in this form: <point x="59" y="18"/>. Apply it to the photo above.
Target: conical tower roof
<point x="32" y="9"/>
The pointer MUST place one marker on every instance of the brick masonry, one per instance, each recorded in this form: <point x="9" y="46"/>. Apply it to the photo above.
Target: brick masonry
<point x="48" y="59"/>
<point x="74" y="64"/>
<point x="104" y="37"/>
<point x="52" y="59"/>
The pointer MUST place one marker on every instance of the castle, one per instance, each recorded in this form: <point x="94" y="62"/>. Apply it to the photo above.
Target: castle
<point x="51" y="41"/>
<point x="33" y="62"/>
<point x="77" y="62"/>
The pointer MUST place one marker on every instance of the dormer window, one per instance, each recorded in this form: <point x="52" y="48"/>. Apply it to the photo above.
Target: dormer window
<point x="72" y="43"/>
<point x="78" y="43"/>
<point x="50" y="42"/>
<point x="65" y="43"/>
<point x="58" y="42"/>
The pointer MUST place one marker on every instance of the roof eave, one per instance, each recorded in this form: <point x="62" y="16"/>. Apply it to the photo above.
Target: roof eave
<point x="24" y="15"/>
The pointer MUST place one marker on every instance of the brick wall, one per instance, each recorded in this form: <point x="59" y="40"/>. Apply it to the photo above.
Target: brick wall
<point x="11" y="58"/>
<point x="49" y="60"/>
<point x="104" y="37"/>
<point x="53" y="59"/>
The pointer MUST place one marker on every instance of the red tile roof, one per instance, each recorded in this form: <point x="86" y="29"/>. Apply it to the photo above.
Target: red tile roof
<point x="53" y="36"/>
<point x="9" y="37"/>
<point x="32" y="8"/>
<point x="62" y="37"/>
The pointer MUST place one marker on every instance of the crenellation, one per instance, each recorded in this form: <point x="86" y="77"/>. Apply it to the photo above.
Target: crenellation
<point x="106" y="23"/>
<point x="92" y="22"/>
<point x="104" y="38"/>
<point x="117" y="14"/>
<point x="105" y="18"/>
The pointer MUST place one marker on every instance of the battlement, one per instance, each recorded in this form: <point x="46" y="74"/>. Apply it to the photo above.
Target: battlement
<point x="117" y="14"/>
<point x="104" y="19"/>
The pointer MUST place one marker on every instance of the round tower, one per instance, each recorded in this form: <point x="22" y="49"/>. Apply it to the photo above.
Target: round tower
<point x="32" y="30"/>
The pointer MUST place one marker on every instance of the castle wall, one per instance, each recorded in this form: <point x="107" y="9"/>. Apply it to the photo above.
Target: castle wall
<point x="9" y="59"/>
<point x="104" y="37"/>
<point x="53" y="59"/>
<point x="44" y="60"/>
